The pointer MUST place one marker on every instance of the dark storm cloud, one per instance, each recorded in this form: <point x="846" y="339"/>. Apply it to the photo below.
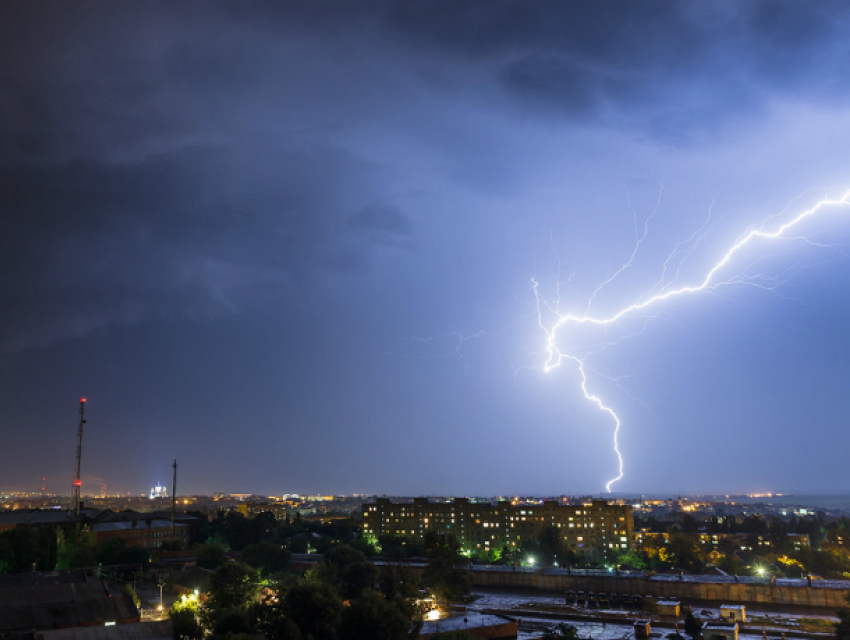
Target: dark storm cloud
<point x="669" y="69"/>
<point x="383" y="224"/>
<point x="86" y="244"/>
<point x="172" y="159"/>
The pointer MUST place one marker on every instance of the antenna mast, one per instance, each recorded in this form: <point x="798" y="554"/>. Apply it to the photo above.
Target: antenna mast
<point x="74" y="509"/>
<point x="173" y="502"/>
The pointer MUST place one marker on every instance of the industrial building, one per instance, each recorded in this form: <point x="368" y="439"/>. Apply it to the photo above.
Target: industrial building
<point x="486" y="526"/>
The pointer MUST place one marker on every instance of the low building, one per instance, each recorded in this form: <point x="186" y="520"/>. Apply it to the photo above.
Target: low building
<point x="720" y="631"/>
<point x="475" y="624"/>
<point x="43" y="600"/>
<point x="668" y="607"/>
<point x="735" y="612"/>
<point x="642" y="628"/>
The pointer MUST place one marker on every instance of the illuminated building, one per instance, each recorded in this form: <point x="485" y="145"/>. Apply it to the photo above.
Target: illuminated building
<point x="280" y="510"/>
<point x="158" y="492"/>
<point x="486" y="526"/>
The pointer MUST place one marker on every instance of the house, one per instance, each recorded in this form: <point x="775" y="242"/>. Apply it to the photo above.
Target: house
<point x="736" y="612"/>
<point x="668" y="607"/>
<point x="642" y="628"/>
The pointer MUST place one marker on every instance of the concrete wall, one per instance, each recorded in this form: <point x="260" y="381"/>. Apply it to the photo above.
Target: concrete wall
<point x="731" y="593"/>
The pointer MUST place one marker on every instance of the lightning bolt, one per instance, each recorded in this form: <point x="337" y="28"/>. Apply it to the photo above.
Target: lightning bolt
<point x="566" y="322"/>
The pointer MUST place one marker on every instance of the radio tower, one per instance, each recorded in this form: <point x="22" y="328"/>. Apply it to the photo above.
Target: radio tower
<point x="173" y="502"/>
<point x="74" y="509"/>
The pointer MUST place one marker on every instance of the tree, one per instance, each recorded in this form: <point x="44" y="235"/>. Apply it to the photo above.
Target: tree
<point x="72" y="555"/>
<point x="26" y="548"/>
<point x="347" y="569"/>
<point x="232" y="586"/>
<point x="684" y="553"/>
<point x="731" y="564"/>
<point x="551" y="549"/>
<point x="117" y="552"/>
<point x="185" y="626"/>
<point x="548" y="546"/>
<point x="400" y="547"/>
<point x="373" y="617"/>
<point x="693" y="625"/>
<point x="127" y="589"/>
<point x="298" y="544"/>
<point x="210" y="555"/>
<point x="268" y="557"/>
<point x="315" y="607"/>
<point x="397" y="580"/>
<point x="272" y="617"/>
<point x="446" y="572"/>
<point x="633" y="559"/>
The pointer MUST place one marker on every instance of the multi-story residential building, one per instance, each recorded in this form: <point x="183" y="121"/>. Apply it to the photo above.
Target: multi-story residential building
<point x="484" y="526"/>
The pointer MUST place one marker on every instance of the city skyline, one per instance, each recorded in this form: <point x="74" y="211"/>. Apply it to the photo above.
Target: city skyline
<point x="325" y="247"/>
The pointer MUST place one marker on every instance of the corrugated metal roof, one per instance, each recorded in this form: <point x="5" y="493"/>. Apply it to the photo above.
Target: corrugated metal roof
<point x="160" y="630"/>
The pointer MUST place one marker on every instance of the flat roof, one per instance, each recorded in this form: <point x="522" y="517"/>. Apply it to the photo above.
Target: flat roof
<point x="138" y="525"/>
<point x="720" y="626"/>
<point x="460" y="622"/>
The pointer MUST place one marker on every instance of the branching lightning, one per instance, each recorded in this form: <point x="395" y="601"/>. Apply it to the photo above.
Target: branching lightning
<point x="565" y="323"/>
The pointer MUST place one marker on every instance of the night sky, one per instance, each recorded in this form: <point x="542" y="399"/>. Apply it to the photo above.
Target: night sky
<point x="294" y="245"/>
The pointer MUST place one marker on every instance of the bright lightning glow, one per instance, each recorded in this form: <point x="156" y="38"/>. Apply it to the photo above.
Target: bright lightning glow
<point x="710" y="282"/>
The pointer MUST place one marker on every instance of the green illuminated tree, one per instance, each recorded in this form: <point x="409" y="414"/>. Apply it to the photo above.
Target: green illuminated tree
<point x="446" y="572"/>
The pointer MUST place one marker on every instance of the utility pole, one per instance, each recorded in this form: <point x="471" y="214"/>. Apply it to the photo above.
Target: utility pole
<point x="173" y="503"/>
<point x="74" y="507"/>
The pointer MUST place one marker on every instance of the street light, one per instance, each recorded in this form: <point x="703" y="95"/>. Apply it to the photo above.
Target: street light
<point x="160" y="596"/>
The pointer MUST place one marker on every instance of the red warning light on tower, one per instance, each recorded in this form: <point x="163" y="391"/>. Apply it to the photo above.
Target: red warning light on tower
<point x="78" y="482"/>
<point x="82" y="399"/>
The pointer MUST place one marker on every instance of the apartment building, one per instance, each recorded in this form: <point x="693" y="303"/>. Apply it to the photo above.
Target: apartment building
<point x="483" y="526"/>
